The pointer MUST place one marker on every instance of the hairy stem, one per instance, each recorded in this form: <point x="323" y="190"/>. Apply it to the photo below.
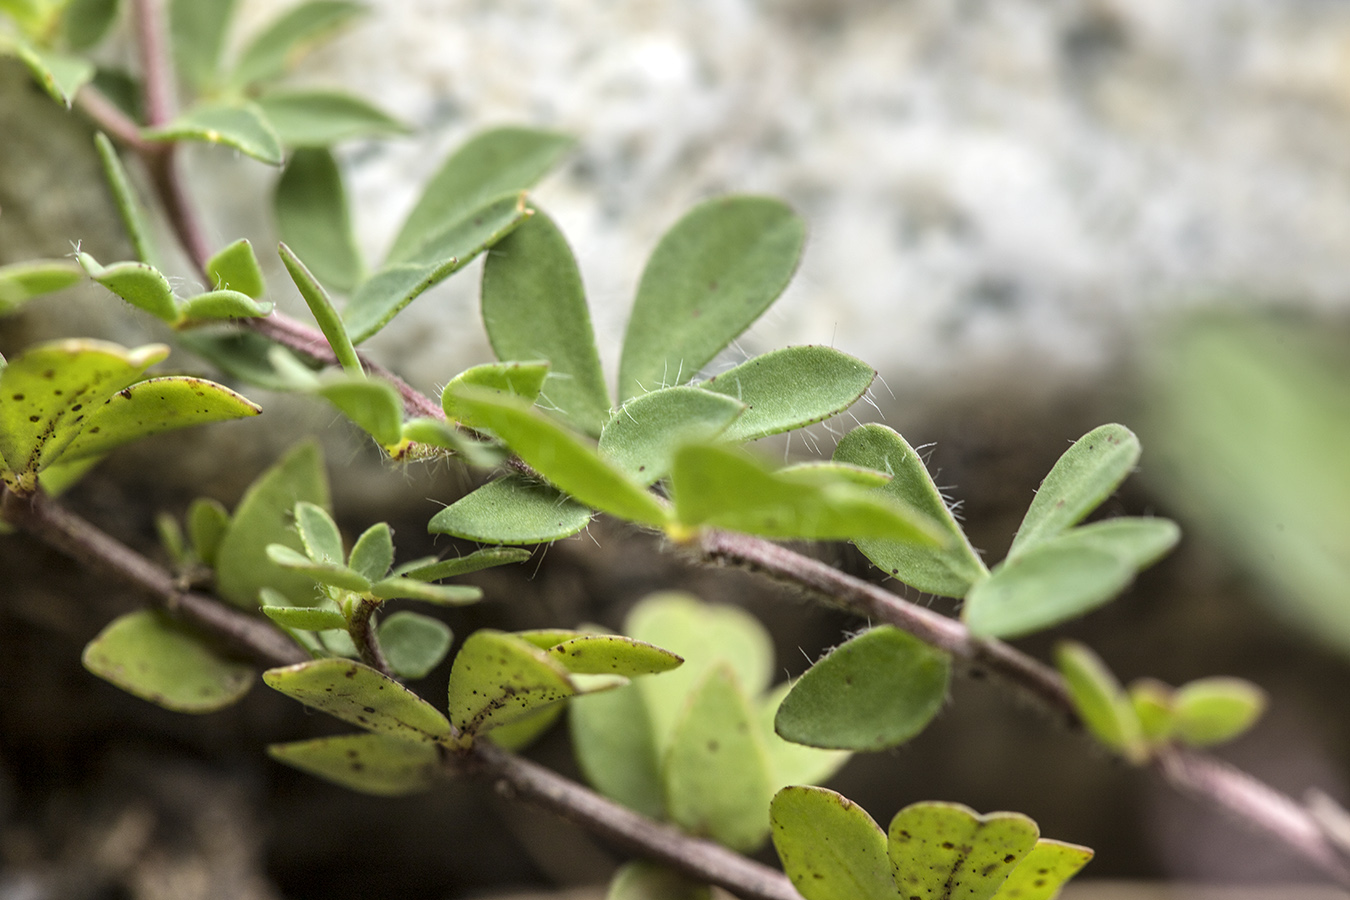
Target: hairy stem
<point x="363" y="636"/>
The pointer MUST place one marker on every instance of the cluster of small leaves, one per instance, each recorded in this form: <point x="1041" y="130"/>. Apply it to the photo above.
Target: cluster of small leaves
<point x="50" y="38"/>
<point x="1152" y="714"/>
<point x="833" y="850"/>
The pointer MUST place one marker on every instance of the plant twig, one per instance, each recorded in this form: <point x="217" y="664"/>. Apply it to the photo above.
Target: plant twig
<point x="363" y="636"/>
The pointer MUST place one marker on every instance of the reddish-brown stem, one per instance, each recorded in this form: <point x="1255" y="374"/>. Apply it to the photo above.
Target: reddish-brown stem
<point x="363" y="636"/>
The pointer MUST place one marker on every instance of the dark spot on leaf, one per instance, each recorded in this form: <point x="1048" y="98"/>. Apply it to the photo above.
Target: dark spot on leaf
<point x="947" y="845"/>
<point x="369" y="709"/>
<point x="18" y="396"/>
<point x="126" y="393"/>
<point x="358" y="767"/>
<point x="1009" y="858"/>
<point x="34" y="418"/>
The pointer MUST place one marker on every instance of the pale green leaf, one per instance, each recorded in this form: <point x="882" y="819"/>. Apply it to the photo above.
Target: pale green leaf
<point x="214" y="306"/>
<point x="149" y="655"/>
<point x="615" y="745"/>
<point x="128" y="203"/>
<point x="314" y="219"/>
<point x="330" y="323"/>
<point x="463" y="565"/>
<point x="947" y="850"/>
<point x="830" y="847"/>
<point x="23" y="281"/>
<point x="378" y="764"/>
<point x="534" y="307"/>
<point x="641" y="438"/>
<point x="512" y="510"/>
<point x="612" y="654"/>
<point x="1106" y="711"/>
<point x="276" y="48"/>
<point x="414" y="644"/>
<point x="303" y="619"/>
<point x="141" y="285"/>
<point x="207" y="522"/>
<point x="1139" y="541"/>
<point x="791" y="763"/>
<point x="375" y="406"/>
<point x="238" y="125"/>
<point x="358" y="694"/>
<point x="1043" y="871"/>
<point x="497" y="678"/>
<point x="791" y="388"/>
<point x="520" y="379"/>
<point x="310" y="118"/>
<point x="319" y="533"/>
<point x="85" y="22"/>
<point x="826" y="472"/>
<point x="236" y="268"/>
<point x="528" y="728"/>
<point x="710" y="277"/>
<point x="60" y="74"/>
<point x="325" y="573"/>
<point x="642" y="880"/>
<point x="399" y="588"/>
<point x="373" y="552"/>
<point x="197" y="31"/>
<point x="1214" y="710"/>
<point x="1048" y="584"/>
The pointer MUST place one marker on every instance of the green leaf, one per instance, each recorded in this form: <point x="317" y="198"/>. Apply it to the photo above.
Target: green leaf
<point x="263" y="517"/>
<point x="312" y="619"/>
<point x="276" y="48"/>
<point x="238" y="125"/>
<point x="512" y="510"/>
<point x="946" y="850"/>
<point x="251" y="358"/>
<point x="642" y="437"/>
<point x="171" y="539"/>
<point x="236" y="268"/>
<point x="830" y="847"/>
<point x="1214" y="710"/>
<point x="706" y="636"/>
<point x="950" y="571"/>
<point x="791" y="763"/>
<point x="141" y="285"/>
<point x="1152" y="703"/>
<point x="414" y="644"/>
<point x="61" y="75"/>
<point x="197" y="31"/>
<point x="710" y="277"/>
<point x="397" y="588"/>
<point x="791" y="388"/>
<point x="377" y="764"/>
<point x="313" y="217"/>
<point x="434" y="433"/>
<point x="46" y="394"/>
<point x="23" y="281"/>
<point x="1043" y="871"/>
<point x="716" y="768"/>
<point x="325" y="573"/>
<point x="373" y="405"/>
<point x="521" y="379"/>
<point x="146" y="654"/>
<point x="827" y="472"/>
<point x="1106" y="711"/>
<point x="612" y="654"/>
<point x="308" y="118"/>
<point x="1139" y="541"/>
<point x="207" y="522"/>
<point x="877" y="690"/>
<point x="722" y="488"/>
<point x="1048" y="584"/>
<point x="155" y="406"/>
<point x="389" y="290"/>
<point x="1084" y="476"/>
<point x="330" y="323"/>
<point x="615" y="746"/>
<point x="85" y="22"/>
<point x="358" y="694"/>
<point x="498" y="678"/>
<point x="128" y="204"/>
<point x="534" y="306"/>
<point x="562" y="457"/>
<point x="525" y="730"/>
<point x="642" y="880"/>
<point x="373" y="552"/>
<point x="492" y="163"/>
<point x="219" y="305"/>
<point x="319" y="533"/>
<point x="463" y="565"/>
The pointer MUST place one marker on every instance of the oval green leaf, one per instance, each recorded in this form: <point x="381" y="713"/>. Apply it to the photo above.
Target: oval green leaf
<point x="1084" y="476"/>
<point x="615" y="745"/>
<point x="1043" y="586"/>
<point x="309" y="118"/>
<point x="124" y="195"/>
<point x="709" y="278"/>
<point x="358" y="694"/>
<point x="1214" y="710"/>
<point x="238" y="125"/>
<point x="497" y="678"/>
<point x="207" y="522"/>
<point x="641" y="438"/>
<point x="534" y="307"/>
<point x="512" y="510"/>
<point x="644" y="880"/>
<point x="314" y="219"/>
<point x="217" y="305"/>
<point x="23" y="281"/>
<point x="878" y="690"/>
<point x="947" y="850"/>
<point x="830" y="847"/>
<point x="1139" y="541"/>
<point x="1043" y="871"/>
<point x="374" y="406"/>
<point x="378" y="764"/>
<point x="397" y="588"/>
<point x="85" y="22"/>
<point x="328" y="574"/>
<point x="463" y="565"/>
<point x="612" y="654"/>
<point x="950" y="571"/>
<point x="319" y="533"/>
<point x="140" y="284"/>
<point x="520" y="379"/>
<point x="149" y="655"/>
<point x="197" y="31"/>
<point x="1152" y="703"/>
<point x="1105" y="710"/>
<point x="60" y="74"/>
<point x="791" y="763"/>
<point x="236" y="268"/>
<point x="304" y="619"/>
<point x="330" y="323"/>
<point x="276" y="48"/>
<point x="373" y="552"/>
<point x="414" y="644"/>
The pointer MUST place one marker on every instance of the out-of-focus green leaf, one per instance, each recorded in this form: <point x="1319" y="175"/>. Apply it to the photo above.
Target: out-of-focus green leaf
<point x="714" y="486"/>
<point x="23" y="281"/>
<point x="877" y="690"/>
<point x="524" y="731"/>
<point x="128" y="204"/>
<point x="716" y="769"/>
<point x="443" y="253"/>
<point x="641" y="438"/>
<point x="1043" y="871"/>
<point x="830" y="847"/>
<point x="708" y="279"/>
<point x="141" y="285"/>
<point x="263" y="517"/>
<point x="236" y="268"/>
<point x="1083" y="477"/>
<point x="498" y="678"/>
<point x="1106" y="711"/>
<point x="562" y="457"/>
<point x="276" y="48"/>
<point x="1043" y="586"/>
<point x="534" y="307"/>
<point x="644" y="880"/>
<point x="1152" y="702"/>
<point x="157" y="659"/>
<point x="615" y="746"/>
<point x="313" y="218"/>
<point x="1139" y="541"/>
<point x="197" y="31"/>
<point x="85" y="22"/>
<point x="61" y="75"/>
<point x="309" y="118"/>
<point x="358" y="694"/>
<point x="791" y="763"/>
<point x="373" y="405"/>
<point x="379" y="764"/>
<point x="825" y="472"/>
<point x="1214" y="710"/>
<point x="398" y="588"/>
<point x="791" y="388"/>
<point x="218" y="305"/>
<point x="414" y="644"/>
<point x="521" y="379"/>
<point x="207" y="522"/>
<point x="492" y="163"/>
<point x="319" y="533"/>
<point x="330" y="323"/>
<point x="373" y="552"/>
<point x="946" y="849"/>
<point x="463" y="565"/>
<point x="238" y="125"/>
<point x="951" y="570"/>
<point x="512" y="510"/>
